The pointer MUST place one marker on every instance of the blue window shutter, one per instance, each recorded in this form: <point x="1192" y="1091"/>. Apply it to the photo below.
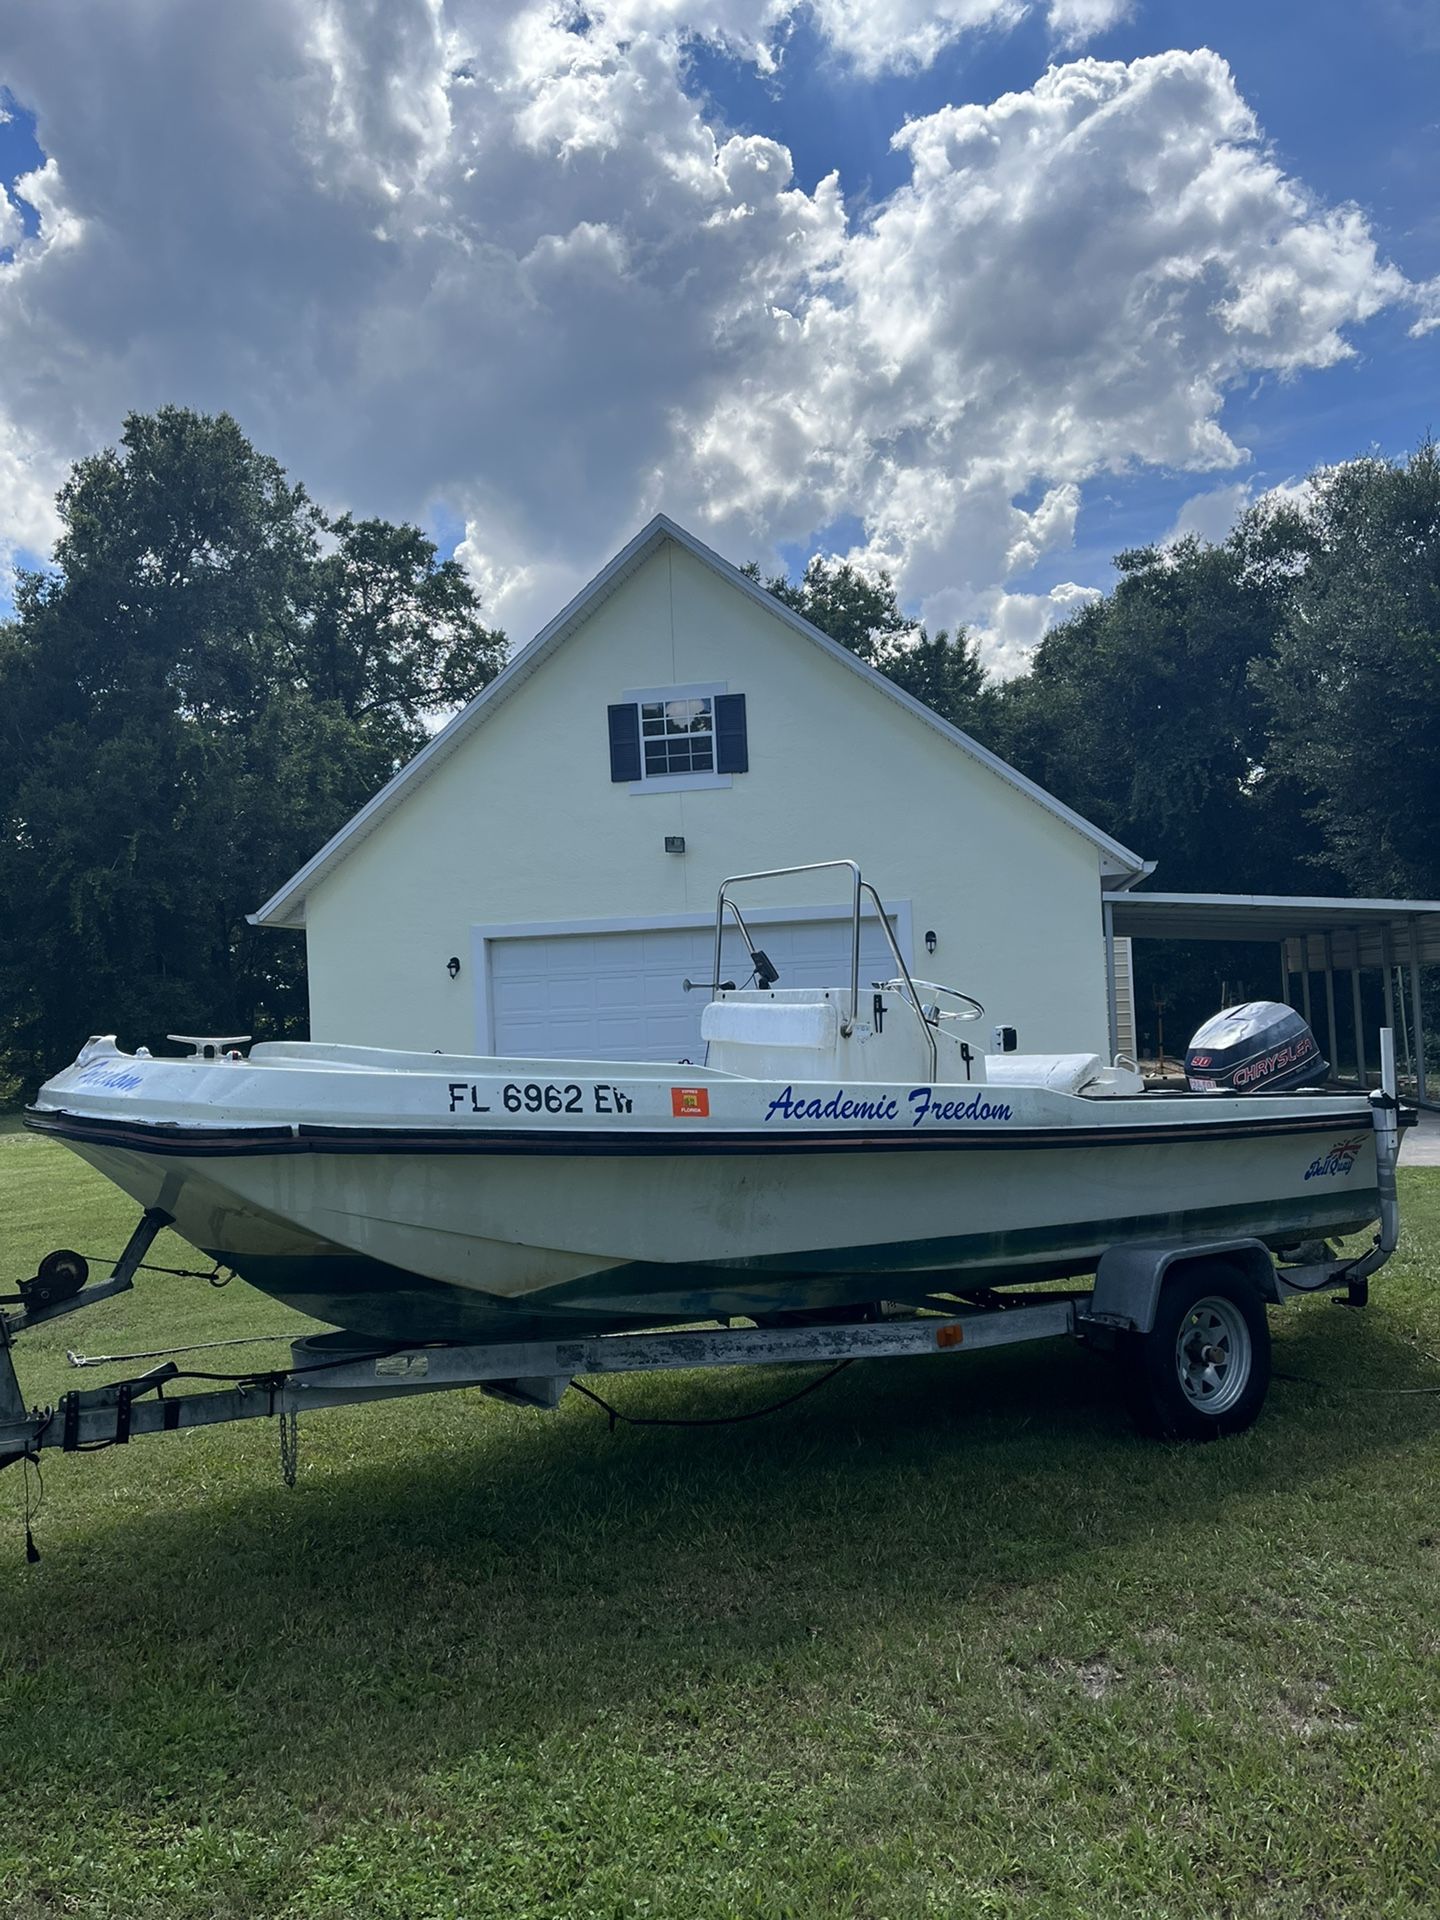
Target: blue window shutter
<point x="732" y="743"/>
<point x="625" y="743"/>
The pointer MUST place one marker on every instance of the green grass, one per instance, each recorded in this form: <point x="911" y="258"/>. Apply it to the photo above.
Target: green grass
<point x="945" y="1639"/>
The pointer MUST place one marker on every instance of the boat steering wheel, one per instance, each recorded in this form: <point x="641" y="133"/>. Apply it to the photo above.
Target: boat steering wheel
<point x="972" y="1009"/>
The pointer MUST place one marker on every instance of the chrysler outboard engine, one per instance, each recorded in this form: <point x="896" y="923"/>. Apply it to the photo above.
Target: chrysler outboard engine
<point x="1262" y="1047"/>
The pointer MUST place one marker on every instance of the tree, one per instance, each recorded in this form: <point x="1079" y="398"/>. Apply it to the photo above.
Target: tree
<point x="209" y="682"/>
<point x="393" y="636"/>
<point x="861" y="611"/>
<point x="1352" y="687"/>
<point x="1140" y="711"/>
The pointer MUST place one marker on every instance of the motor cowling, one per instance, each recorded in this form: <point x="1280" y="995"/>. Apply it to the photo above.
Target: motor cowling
<point x="1262" y="1047"/>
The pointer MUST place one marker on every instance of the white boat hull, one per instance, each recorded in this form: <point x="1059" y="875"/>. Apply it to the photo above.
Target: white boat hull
<point x="423" y="1198"/>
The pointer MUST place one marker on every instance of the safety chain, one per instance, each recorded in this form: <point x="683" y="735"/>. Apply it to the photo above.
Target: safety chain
<point x="289" y="1447"/>
<point x="180" y="1273"/>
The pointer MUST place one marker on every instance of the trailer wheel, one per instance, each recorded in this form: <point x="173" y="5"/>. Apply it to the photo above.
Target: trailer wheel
<point x="1203" y="1370"/>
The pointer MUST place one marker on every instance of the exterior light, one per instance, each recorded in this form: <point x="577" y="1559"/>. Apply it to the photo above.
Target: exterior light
<point x="930" y="941"/>
<point x="674" y="843"/>
<point x="452" y="966"/>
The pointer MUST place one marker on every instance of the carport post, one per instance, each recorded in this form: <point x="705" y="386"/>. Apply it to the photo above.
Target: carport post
<point x="1329" y="953"/>
<point x="1111" y="998"/>
<point x="1284" y="973"/>
<point x="1387" y="969"/>
<point x="1305" y="980"/>
<point x="1360" y="1073"/>
<point x="1416" y="1014"/>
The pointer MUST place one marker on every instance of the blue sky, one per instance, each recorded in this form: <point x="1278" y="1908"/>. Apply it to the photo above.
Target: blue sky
<point x="19" y="153"/>
<point x="526" y="277"/>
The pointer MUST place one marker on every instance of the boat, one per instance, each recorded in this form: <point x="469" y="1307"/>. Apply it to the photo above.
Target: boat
<point x="840" y="1147"/>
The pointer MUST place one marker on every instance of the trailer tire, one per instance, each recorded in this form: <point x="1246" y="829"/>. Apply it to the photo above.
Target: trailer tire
<point x="1203" y="1370"/>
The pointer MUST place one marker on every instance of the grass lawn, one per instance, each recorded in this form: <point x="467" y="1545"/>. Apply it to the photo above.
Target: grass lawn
<point x="944" y="1639"/>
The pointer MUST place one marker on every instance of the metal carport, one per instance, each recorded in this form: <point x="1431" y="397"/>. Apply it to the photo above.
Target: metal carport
<point x="1312" y="935"/>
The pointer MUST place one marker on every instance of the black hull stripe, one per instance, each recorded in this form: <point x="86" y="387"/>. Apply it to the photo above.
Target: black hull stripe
<point x="239" y="1142"/>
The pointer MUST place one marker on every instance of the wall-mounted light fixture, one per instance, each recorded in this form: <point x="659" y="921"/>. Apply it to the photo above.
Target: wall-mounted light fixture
<point x="930" y="941"/>
<point x="452" y="966"/>
<point x="674" y="843"/>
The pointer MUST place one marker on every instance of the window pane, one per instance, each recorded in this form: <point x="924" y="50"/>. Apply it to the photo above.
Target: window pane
<point x="677" y="736"/>
<point x="682" y="714"/>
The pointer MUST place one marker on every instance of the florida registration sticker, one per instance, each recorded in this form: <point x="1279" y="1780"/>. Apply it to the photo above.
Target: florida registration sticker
<point x="690" y="1103"/>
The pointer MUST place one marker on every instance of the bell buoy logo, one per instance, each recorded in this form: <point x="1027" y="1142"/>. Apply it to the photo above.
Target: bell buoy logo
<point x="690" y="1103"/>
<point x="1337" y="1158"/>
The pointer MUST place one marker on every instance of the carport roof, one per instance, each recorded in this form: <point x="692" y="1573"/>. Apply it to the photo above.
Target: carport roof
<point x="1359" y="930"/>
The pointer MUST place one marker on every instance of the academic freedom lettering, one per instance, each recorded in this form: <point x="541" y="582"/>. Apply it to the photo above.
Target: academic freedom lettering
<point x="921" y="1104"/>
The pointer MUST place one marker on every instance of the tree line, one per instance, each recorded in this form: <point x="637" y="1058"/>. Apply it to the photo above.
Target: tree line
<point x="1256" y="715"/>
<point x="214" y="675"/>
<point x="1260" y="714"/>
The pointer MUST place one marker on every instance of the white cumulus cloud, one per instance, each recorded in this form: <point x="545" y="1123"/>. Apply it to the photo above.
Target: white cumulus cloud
<point x="1008" y="625"/>
<point x="1073" y="22"/>
<point x="496" y="255"/>
<point x="1210" y="515"/>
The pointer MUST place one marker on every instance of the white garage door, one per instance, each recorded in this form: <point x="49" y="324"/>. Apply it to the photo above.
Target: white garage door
<point x="619" y="996"/>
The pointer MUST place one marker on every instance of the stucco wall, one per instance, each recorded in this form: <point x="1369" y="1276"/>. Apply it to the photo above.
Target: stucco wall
<point x="523" y="824"/>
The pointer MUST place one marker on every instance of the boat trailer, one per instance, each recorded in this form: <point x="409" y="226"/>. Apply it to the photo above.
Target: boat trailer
<point x="1187" y="1316"/>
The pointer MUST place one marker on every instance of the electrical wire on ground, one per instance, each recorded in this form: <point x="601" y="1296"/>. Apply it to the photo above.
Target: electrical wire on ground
<point x="711" y="1420"/>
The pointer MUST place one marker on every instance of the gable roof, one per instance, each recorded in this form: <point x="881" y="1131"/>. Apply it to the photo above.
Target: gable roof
<point x="286" y="908"/>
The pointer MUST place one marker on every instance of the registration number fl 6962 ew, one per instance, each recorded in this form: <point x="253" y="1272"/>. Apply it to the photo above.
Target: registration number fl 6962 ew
<point x="542" y="1096"/>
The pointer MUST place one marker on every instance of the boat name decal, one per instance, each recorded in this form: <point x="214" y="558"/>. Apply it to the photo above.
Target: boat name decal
<point x="121" y="1079"/>
<point x="1337" y="1158"/>
<point x="923" y="1106"/>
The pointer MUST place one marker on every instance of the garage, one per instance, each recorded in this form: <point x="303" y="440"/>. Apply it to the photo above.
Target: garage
<point x="619" y="994"/>
<point x="538" y="880"/>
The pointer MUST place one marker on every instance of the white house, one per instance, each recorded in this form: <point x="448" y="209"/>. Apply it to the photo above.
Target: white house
<point x="541" y="879"/>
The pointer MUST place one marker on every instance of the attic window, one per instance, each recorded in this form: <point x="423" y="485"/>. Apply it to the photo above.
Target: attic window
<point x="663" y="738"/>
<point x="677" y="736"/>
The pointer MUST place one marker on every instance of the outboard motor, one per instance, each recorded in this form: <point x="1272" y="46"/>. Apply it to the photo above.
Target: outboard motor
<point x="1262" y="1047"/>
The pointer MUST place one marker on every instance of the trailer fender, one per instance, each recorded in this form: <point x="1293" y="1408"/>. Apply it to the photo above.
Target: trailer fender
<point x="1128" y="1279"/>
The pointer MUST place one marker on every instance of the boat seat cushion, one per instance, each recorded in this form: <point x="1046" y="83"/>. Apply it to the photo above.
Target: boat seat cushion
<point x="1061" y="1072"/>
<point x="772" y="1023"/>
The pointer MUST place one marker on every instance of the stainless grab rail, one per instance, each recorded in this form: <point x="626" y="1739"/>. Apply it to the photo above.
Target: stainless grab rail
<point x="858" y="887"/>
<point x="899" y="960"/>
